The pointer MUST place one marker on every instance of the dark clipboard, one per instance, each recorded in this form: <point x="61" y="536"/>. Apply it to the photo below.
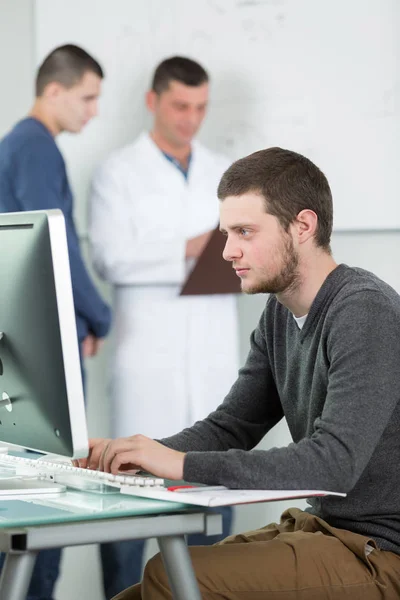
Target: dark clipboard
<point x="211" y="273"/>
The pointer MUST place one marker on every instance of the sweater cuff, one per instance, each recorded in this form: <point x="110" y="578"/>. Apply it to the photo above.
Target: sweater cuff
<point x="202" y="467"/>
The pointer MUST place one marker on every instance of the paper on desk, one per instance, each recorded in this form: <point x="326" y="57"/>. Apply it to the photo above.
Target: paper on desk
<point x="223" y="497"/>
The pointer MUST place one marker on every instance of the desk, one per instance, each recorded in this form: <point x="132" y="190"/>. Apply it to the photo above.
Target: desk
<point x="77" y="518"/>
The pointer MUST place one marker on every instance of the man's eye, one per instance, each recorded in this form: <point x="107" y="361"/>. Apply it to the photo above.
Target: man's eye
<point x="244" y="232"/>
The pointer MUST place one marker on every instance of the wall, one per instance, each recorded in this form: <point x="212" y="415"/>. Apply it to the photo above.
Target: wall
<point x="17" y="61"/>
<point x="287" y="73"/>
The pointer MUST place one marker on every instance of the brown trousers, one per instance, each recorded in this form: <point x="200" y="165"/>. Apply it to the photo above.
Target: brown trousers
<point x="301" y="558"/>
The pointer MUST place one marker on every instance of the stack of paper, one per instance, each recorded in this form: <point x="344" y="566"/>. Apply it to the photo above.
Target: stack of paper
<point x="221" y="496"/>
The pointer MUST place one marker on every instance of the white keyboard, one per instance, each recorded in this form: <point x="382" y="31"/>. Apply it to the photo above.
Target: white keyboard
<point x="63" y="472"/>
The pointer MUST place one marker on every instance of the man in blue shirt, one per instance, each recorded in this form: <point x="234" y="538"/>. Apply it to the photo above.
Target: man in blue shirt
<point x="33" y="174"/>
<point x="33" y="177"/>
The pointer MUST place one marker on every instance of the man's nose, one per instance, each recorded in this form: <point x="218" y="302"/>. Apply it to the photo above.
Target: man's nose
<point x="94" y="109"/>
<point x="193" y="117"/>
<point x="231" y="250"/>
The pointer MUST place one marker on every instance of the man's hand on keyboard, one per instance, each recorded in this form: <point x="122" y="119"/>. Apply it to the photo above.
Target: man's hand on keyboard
<point x="134" y="452"/>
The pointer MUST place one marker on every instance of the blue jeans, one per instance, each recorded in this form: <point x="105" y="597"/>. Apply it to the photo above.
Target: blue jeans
<point x="122" y="562"/>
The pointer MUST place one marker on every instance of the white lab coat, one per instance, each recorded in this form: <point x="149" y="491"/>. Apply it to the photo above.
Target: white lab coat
<point x="175" y="358"/>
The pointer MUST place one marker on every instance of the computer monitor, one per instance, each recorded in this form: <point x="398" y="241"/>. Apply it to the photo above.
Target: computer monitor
<point x="41" y="395"/>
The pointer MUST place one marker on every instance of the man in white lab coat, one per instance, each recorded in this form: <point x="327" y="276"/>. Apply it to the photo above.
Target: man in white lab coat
<point x="153" y="206"/>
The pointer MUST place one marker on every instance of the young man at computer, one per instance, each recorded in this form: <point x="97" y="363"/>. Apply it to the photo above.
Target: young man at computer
<point x="325" y="355"/>
<point x="33" y="177"/>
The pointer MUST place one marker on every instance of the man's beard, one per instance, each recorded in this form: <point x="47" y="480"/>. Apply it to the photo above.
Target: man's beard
<point x="287" y="279"/>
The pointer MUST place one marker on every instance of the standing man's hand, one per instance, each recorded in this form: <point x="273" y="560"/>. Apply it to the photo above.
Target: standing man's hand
<point x="91" y="345"/>
<point x="196" y="245"/>
<point x="134" y="452"/>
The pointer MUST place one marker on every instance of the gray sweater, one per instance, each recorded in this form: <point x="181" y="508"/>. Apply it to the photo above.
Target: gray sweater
<point x="337" y="382"/>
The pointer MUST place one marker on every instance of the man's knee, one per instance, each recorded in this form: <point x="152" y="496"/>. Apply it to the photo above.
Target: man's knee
<point x="155" y="577"/>
<point x="153" y="566"/>
<point x="132" y="593"/>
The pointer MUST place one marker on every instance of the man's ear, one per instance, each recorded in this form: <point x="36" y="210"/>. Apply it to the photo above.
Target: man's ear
<point x="151" y="100"/>
<point x="52" y="90"/>
<point x="306" y="224"/>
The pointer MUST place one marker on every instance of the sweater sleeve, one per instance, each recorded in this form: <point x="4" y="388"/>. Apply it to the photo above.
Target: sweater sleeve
<point x="87" y="300"/>
<point x="38" y="182"/>
<point x="363" y="348"/>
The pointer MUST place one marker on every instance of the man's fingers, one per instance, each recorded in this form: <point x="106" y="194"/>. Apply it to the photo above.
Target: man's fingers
<point x="83" y="462"/>
<point x="102" y="452"/>
<point x="103" y="455"/>
<point x="115" y="448"/>
<point x="123" y="459"/>
<point x="113" y="451"/>
<point x="80" y="462"/>
<point x="95" y="451"/>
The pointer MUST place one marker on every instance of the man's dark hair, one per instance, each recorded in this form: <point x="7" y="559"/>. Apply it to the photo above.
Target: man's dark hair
<point x="178" y="68"/>
<point x="288" y="182"/>
<point x="66" y="65"/>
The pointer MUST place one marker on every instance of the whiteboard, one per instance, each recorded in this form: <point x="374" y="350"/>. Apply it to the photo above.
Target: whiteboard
<point x="320" y="78"/>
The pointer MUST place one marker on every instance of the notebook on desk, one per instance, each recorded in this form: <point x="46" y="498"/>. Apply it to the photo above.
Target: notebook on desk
<point x="221" y="496"/>
<point x="211" y="273"/>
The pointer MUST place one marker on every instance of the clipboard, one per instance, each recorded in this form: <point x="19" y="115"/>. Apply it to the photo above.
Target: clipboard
<point x="211" y="273"/>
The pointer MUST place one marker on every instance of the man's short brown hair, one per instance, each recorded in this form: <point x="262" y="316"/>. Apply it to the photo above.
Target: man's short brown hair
<point x="288" y="182"/>
<point x="66" y="65"/>
<point x="178" y="68"/>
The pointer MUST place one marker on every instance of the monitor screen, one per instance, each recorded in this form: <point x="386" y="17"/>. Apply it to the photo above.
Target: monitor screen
<point x="41" y="395"/>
